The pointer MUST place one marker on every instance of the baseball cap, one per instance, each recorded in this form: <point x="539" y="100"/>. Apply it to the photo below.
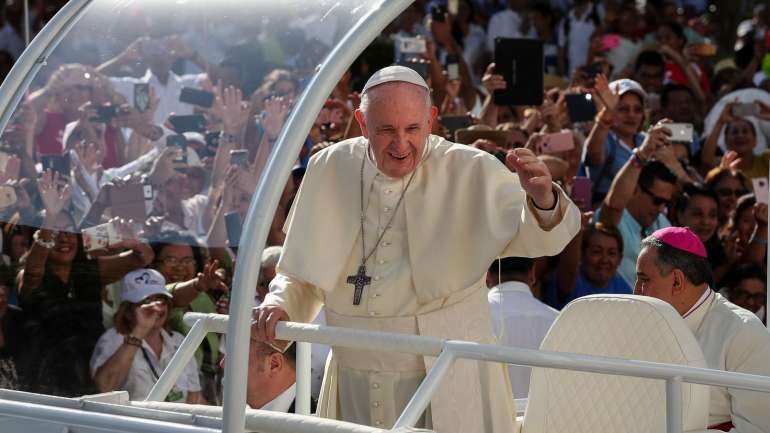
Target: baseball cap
<point x="624" y="85"/>
<point x="682" y="239"/>
<point x="395" y="73"/>
<point x="141" y="284"/>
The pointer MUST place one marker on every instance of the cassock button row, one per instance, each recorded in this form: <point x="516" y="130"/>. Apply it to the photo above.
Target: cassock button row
<point x="386" y="209"/>
<point x="388" y="191"/>
<point x="377" y="278"/>
<point x="376" y="404"/>
<point x="386" y="244"/>
<point x="378" y="422"/>
<point x="375" y="295"/>
<point x="381" y="262"/>
<point x="376" y="385"/>
<point x="372" y="313"/>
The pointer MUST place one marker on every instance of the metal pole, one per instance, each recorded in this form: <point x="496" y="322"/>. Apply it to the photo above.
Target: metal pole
<point x="92" y="421"/>
<point x="421" y="398"/>
<point x="26" y="23"/>
<point x="268" y="193"/>
<point x="674" y="404"/>
<point x="33" y="58"/>
<point x="303" y="378"/>
<point x="767" y="268"/>
<point x="178" y="362"/>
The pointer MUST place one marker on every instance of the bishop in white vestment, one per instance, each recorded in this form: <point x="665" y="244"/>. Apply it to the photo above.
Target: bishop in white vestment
<point x="430" y="235"/>
<point x="732" y="338"/>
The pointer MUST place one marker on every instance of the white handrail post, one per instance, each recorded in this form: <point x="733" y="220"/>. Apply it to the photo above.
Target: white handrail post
<point x="302" y="406"/>
<point x="421" y="398"/>
<point x="178" y="362"/>
<point x="674" y="404"/>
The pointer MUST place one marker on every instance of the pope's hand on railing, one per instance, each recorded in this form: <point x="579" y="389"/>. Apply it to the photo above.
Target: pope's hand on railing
<point x="264" y="320"/>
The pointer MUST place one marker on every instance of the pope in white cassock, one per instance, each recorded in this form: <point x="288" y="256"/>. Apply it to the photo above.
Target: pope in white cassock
<point x="394" y="232"/>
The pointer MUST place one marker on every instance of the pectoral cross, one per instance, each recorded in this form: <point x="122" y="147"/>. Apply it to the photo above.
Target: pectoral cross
<point x="359" y="280"/>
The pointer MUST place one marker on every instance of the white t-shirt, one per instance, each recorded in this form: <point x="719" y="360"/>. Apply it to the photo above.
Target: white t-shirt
<point x="579" y="37"/>
<point x="506" y="24"/>
<point x="141" y="378"/>
<point x="519" y="320"/>
<point x="168" y="95"/>
<point x="194" y="208"/>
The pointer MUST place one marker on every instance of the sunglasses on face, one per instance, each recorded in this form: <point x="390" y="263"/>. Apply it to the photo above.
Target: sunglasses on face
<point x="656" y="200"/>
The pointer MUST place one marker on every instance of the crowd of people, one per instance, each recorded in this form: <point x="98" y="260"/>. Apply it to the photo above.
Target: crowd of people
<point x="125" y="178"/>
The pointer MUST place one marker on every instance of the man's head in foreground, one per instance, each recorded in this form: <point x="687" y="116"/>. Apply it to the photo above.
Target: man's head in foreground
<point x="673" y="266"/>
<point x="396" y="116"/>
<point x="270" y="372"/>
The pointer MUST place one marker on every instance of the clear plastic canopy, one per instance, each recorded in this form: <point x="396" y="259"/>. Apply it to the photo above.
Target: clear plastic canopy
<point x="164" y="112"/>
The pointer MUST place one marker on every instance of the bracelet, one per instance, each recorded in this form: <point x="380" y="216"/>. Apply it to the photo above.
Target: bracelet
<point x="636" y="158"/>
<point x="43" y="243"/>
<point x="555" y="202"/>
<point x="132" y="341"/>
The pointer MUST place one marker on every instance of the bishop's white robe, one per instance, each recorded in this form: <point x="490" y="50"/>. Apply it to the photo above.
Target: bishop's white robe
<point x="462" y="210"/>
<point x="733" y="339"/>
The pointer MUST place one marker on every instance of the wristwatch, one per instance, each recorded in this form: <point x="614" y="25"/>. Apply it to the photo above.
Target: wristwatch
<point x="43" y="243"/>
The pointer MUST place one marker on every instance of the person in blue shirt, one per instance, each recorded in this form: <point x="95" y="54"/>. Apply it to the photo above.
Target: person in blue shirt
<point x="589" y="265"/>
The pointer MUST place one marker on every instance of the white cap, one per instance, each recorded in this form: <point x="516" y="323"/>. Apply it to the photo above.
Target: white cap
<point x="141" y="284"/>
<point x="622" y="86"/>
<point x="395" y="73"/>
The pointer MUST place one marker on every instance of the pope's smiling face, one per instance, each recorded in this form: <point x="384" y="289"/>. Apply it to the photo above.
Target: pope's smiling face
<point x="397" y="123"/>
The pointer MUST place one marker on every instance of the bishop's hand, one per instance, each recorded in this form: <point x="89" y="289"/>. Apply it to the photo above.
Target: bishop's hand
<point x="534" y="176"/>
<point x="265" y="319"/>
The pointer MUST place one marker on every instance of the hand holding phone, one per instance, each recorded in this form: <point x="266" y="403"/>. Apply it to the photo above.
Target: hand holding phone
<point x="239" y="158"/>
<point x="201" y="98"/>
<point x="761" y="190"/>
<point x="101" y="237"/>
<point x="141" y="97"/>
<point x="556" y="143"/>
<point x="745" y="109"/>
<point x="187" y="123"/>
<point x="680" y="132"/>
<point x="580" y="107"/>
<point x="234" y="228"/>
<point x="7" y="196"/>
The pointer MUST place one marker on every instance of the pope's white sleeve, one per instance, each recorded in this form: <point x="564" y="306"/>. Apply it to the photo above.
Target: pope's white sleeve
<point x="302" y="301"/>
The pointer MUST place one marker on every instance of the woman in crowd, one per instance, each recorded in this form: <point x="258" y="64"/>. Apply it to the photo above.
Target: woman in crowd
<point x="747" y="289"/>
<point x="60" y="290"/>
<point x="698" y="209"/>
<point x="132" y="355"/>
<point x="729" y="185"/>
<point x="589" y="264"/>
<point x="740" y="134"/>
<point x="616" y="131"/>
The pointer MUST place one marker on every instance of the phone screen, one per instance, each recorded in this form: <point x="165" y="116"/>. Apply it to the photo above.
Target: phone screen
<point x="193" y="96"/>
<point x="187" y="123"/>
<point x="141" y="97"/>
<point x="580" y="107"/>
<point x="233" y="227"/>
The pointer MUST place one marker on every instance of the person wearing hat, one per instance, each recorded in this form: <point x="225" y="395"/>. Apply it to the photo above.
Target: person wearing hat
<point x="395" y="231"/>
<point x="132" y="355"/>
<point x="673" y="266"/>
<point x="616" y="131"/>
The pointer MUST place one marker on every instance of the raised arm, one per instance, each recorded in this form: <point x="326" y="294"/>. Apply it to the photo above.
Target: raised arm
<point x="111" y="375"/>
<point x="624" y="184"/>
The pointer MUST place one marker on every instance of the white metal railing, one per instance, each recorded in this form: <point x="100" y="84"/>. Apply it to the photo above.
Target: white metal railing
<point x="113" y="412"/>
<point x="448" y="351"/>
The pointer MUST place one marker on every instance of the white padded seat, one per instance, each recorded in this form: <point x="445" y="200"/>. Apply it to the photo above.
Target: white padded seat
<point x="618" y="326"/>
